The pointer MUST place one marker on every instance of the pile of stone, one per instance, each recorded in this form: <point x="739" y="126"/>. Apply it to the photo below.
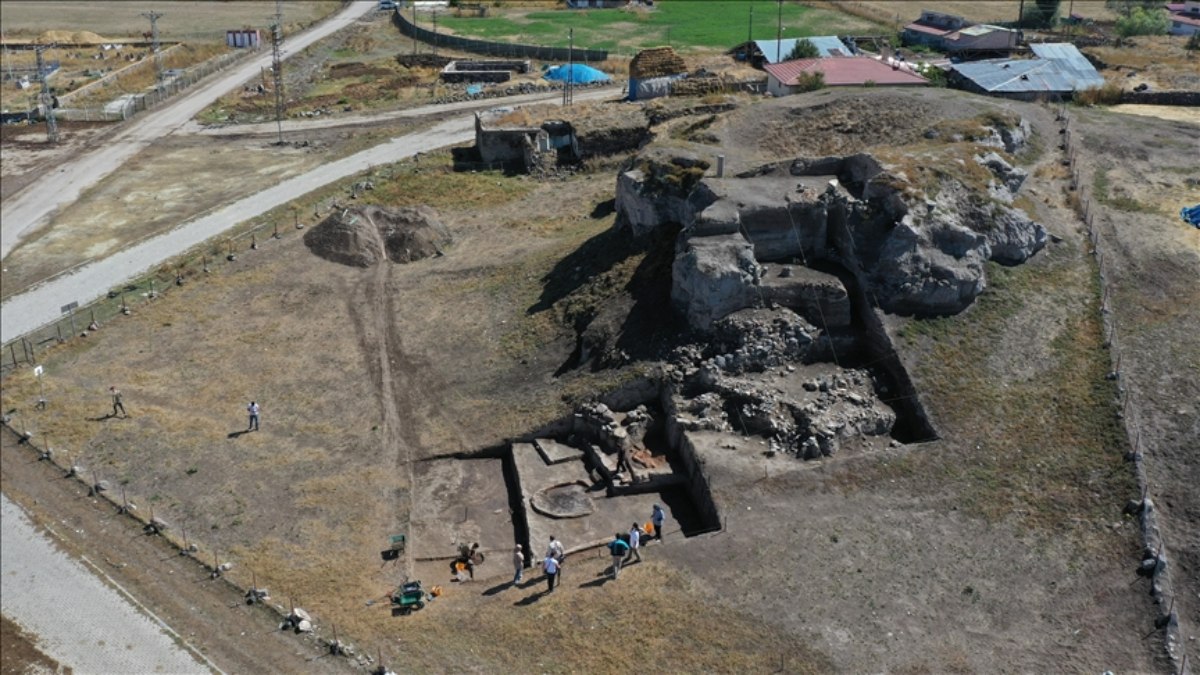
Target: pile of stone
<point x="361" y="236"/>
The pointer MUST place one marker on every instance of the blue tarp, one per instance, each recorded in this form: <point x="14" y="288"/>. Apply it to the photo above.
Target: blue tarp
<point x="576" y="73"/>
<point x="1191" y="215"/>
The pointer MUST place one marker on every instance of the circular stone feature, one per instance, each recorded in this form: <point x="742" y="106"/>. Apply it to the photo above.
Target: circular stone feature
<point x="569" y="500"/>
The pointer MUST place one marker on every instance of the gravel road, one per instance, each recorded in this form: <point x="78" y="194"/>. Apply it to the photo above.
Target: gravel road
<point x="32" y="207"/>
<point x="41" y="305"/>
<point x="80" y="622"/>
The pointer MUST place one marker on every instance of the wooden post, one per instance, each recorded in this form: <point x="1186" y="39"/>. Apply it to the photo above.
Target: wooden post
<point x="58" y="329"/>
<point x="254" y="241"/>
<point x="276" y="234"/>
<point x="124" y="501"/>
<point x="12" y="350"/>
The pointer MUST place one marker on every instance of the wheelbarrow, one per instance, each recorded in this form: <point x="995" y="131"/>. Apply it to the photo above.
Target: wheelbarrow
<point x="408" y="598"/>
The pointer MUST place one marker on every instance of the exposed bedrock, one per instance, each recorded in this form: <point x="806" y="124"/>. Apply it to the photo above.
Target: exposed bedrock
<point x="920" y="255"/>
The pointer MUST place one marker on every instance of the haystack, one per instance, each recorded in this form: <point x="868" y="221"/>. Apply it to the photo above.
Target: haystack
<point x="656" y="62"/>
<point x="361" y="236"/>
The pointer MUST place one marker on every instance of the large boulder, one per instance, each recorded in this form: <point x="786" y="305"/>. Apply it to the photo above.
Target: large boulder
<point x="660" y="188"/>
<point x="931" y="268"/>
<point x="713" y="276"/>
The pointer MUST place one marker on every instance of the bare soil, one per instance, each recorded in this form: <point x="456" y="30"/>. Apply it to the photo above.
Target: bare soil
<point x="1001" y="542"/>
<point x="25" y="150"/>
<point x="175" y="180"/>
<point x="19" y="653"/>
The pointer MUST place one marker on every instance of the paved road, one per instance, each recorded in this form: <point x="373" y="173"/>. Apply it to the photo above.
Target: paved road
<point x="41" y="305"/>
<point x="79" y="621"/>
<point x="33" y="206"/>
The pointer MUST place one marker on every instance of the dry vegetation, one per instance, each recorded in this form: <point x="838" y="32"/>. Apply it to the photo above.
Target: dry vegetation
<point x="183" y="20"/>
<point x="980" y="11"/>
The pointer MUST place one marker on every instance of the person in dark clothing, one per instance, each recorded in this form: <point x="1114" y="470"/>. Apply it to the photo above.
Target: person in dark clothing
<point x="116" y="401"/>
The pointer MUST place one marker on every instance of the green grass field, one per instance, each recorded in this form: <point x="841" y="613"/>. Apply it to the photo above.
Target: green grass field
<point x="683" y="24"/>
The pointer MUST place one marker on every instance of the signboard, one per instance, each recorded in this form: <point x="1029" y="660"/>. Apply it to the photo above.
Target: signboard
<point x="67" y="308"/>
<point x="37" y="371"/>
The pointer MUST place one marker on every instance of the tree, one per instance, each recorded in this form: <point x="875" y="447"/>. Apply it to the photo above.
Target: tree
<point x="1125" y="7"/>
<point x="1042" y="14"/>
<point x="804" y="49"/>
<point x="1144" y="22"/>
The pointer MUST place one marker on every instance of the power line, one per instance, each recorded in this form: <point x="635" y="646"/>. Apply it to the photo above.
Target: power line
<point x="154" y="17"/>
<point x="45" y="98"/>
<point x="277" y="66"/>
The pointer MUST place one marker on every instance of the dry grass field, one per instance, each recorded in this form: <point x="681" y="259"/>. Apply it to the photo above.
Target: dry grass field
<point x="898" y="13"/>
<point x="1001" y="540"/>
<point x="183" y="20"/>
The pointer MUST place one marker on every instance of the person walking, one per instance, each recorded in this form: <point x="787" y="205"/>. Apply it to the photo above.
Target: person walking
<point x="253" y="410"/>
<point x="619" y="549"/>
<point x="635" y="541"/>
<point x="658" y="517"/>
<point x="551" y="567"/>
<point x="557" y="551"/>
<point x="116" y="401"/>
<point x="518" y="564"/>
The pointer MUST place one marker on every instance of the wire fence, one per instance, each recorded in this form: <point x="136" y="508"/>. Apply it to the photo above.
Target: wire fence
<point x="129" y="105"/>
<point x="1087" y="206"/>
<point x="79" y="322"/>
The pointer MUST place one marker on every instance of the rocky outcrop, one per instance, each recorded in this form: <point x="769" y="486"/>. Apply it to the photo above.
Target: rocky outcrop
<point x="713" y="276"/>
<point x="658" y="189"/>
<point x="818" y="297"/>
<point x="361" y="236"/>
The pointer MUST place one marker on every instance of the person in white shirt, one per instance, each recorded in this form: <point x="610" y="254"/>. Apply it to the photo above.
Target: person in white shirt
<point x="253" y="410"/>
<point x="551" y="567"/>
<point x="635" y="540"/>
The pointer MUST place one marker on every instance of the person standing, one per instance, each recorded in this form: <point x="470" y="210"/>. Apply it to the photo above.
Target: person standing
<point x="658" y="517"/>
<point x="518" y="564"/>
<point x="556" y="550"/>
<point x="253" y="410"/>
<point x="619" y="549"/>
<point x="116" y="401"/>
<point x="625" y="464"/>
<point x="635" y="540"/>
<point x="551" y="567"/>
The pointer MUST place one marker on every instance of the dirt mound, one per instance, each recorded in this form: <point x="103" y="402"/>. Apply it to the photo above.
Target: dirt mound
<point x="81" y="37"/>
<point x="361" y="236"/>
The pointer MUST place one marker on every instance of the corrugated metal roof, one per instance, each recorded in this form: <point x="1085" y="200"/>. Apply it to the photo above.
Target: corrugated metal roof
<point x="844" y="71"/>
<point x="1062" y="51"/>
<point x="775" y="51"/>
<point x="1032" y="75"/>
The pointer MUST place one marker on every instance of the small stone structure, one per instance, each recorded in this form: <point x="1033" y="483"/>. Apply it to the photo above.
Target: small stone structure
<point x="541" y="138"/>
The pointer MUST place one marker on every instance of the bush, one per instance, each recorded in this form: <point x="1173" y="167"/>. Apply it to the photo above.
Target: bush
<point x="810" y="82"/>
<point x="1109" y="94"/>
<point x="1144" y="22"/>
<point x="1193" y="43"/>
<point x="804" y="49"/>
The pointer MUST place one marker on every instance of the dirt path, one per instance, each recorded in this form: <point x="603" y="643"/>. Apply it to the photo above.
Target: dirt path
<point x="31" y="207"/>
<point x="207" y="615"/>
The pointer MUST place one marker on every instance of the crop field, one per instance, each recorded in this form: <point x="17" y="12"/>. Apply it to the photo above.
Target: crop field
<point x="683" y="24"/>
<point x="182" y="19"/>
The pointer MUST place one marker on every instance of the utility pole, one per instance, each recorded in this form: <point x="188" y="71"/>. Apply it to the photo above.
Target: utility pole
<point x="779" y="35"/>
<point x="569" y="85"/>
<point x="750" y="25"/>
<point x="277" y="67"/>
<point x="414" y="23"/>
<point x="154" y="17"/>
<point x="435" y="35"/>
<point x="45" y="98"/>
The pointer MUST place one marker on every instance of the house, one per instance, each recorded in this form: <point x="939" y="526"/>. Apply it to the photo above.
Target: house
<point x="758" y="52"/>
<point x="931" y="27"/>
<point x="1058" y="71"/>
<point x="651" y="72"/>
<point x="1185" y="17"/>
<point x="957" y="36"/>
<point x="789" y="77"/>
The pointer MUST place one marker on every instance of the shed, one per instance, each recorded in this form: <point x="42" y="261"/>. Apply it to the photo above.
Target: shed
<point x="651" y="72"/>
<point x="1059" y="70"/>
<point x="980" y="39"/>
<point x="758" y="52"/>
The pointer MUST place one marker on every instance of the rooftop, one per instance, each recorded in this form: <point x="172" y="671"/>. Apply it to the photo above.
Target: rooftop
<point x="844" y="71"/>
<point x="776" y="51"/>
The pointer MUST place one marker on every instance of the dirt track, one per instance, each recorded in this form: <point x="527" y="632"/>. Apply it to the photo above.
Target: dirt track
<point x="28" y="209"/>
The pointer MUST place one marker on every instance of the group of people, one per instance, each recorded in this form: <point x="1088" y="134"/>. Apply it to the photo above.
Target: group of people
<point x="119" y="408"/>
<point x="625" y="547"/>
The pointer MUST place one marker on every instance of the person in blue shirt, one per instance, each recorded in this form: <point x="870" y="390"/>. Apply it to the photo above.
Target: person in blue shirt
<point x="619" y="549"/>
<point x="551" y="566"/>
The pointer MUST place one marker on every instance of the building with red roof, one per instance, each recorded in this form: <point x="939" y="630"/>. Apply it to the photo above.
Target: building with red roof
<point x="791" y="77"/>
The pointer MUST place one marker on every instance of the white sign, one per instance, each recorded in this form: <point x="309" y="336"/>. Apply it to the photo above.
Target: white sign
<point x="37" y="370"/>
